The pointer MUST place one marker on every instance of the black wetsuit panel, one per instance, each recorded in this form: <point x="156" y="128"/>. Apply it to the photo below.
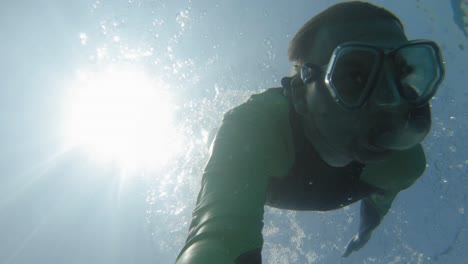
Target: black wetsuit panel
<point x="311" y="183"/>
<point x="251" y="257"/>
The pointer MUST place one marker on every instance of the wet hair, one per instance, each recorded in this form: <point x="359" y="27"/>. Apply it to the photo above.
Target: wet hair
<point x="340" y="13"/>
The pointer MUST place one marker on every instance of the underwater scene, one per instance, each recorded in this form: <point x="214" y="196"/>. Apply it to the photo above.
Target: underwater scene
<point x="109" y="110"/>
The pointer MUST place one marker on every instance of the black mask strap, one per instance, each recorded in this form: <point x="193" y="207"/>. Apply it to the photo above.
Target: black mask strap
<point x="295" y="90"/>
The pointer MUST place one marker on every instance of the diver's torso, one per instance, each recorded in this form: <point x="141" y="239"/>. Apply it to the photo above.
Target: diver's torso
<point x="311" y="184"/>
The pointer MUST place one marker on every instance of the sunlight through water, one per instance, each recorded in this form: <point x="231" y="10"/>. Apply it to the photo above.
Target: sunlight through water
<point x="120" y="114"/>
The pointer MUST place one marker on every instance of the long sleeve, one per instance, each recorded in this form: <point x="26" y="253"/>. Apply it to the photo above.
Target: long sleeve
<point x="249" y="148"/>
<point x="392" y="176"/>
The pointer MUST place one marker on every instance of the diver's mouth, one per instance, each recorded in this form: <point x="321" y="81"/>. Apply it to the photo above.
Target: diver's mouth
<point x="371" y="147"/>
<point x="400" y="139"/>
<point x="401" y="134"/>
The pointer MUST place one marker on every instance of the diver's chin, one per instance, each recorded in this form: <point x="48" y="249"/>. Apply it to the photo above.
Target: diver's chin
<point x="335" y="160"/>
<point x="327" y="152"/>
<point x="331" y="155"/>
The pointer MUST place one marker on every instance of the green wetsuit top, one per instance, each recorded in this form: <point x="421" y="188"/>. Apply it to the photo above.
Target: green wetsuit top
<point x="253" y="148"/>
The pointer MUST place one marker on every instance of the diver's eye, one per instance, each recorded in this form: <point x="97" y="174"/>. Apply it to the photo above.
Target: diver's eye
<point x="350" y="80"/>
<point x="358" y="78"/>
<point x="405" y="71"/>
<point x="349" y="84"/>
<point x="354" y="79"/>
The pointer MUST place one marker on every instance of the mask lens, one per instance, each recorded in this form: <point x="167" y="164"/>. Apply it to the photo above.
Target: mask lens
<point x="418" y="72"/>
<point x="352" y="72"/>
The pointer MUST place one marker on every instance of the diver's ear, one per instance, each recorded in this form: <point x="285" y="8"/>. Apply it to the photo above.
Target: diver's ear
<point x="298" y="93"/>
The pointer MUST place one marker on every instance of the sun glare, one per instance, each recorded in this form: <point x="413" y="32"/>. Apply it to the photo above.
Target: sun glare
<point x="121" y="115"/>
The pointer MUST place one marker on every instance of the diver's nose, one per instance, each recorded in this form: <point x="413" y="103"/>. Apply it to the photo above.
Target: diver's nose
<point x="385" y="94"/>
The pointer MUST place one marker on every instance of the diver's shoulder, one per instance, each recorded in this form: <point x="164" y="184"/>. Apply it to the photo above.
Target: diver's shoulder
<point x="270" y="95"/>
<point x="269" y="103"/>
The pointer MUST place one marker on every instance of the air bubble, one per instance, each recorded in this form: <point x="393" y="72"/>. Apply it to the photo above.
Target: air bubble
<point x="83" y="39"/>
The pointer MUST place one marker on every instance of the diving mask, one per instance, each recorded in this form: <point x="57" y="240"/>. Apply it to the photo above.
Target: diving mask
<point x="352" y="74"/>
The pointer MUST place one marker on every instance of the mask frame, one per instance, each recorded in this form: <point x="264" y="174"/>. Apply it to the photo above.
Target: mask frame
<point x="310" y="72"/>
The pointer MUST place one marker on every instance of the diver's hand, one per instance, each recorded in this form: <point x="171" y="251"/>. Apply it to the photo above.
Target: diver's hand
<point x="356" y="243"/>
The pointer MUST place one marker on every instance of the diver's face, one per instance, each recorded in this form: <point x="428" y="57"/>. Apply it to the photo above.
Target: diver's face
<point x="374" y="130"/>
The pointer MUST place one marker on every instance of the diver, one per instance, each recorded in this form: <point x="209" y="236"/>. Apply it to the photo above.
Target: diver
<point x="346" y="126"/>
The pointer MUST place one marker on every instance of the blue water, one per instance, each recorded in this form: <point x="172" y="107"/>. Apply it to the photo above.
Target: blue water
<point x="61" y="204"/>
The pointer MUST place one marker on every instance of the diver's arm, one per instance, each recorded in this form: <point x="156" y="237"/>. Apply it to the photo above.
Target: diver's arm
<point x="397" y="173"/>
<point x="370" y="218"/>
<point x="228" y="219"/>
<point x="373" y="210"/>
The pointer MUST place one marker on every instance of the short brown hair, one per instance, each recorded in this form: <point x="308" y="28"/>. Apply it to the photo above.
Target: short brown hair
<point x="339" y="13"/>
